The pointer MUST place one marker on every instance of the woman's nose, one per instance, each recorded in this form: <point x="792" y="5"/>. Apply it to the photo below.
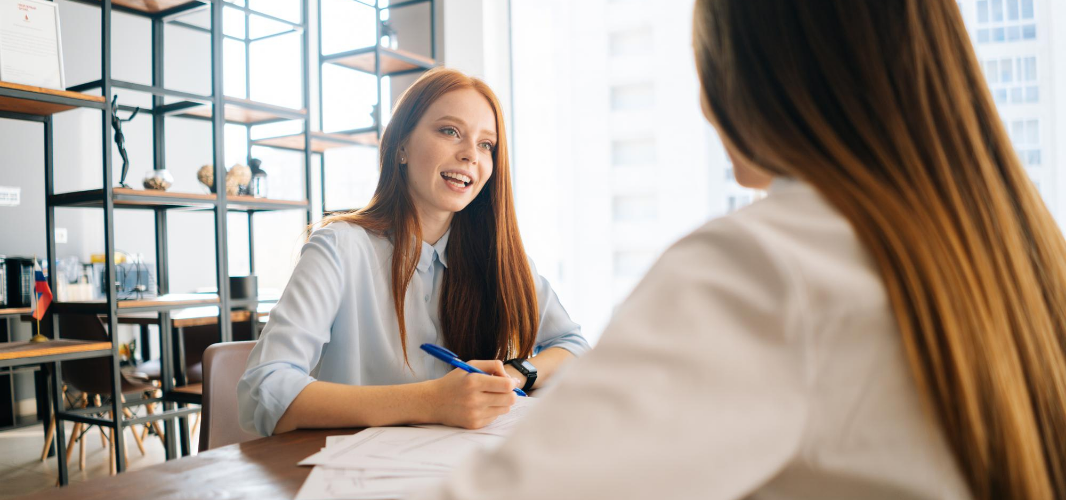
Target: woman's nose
<point x="468" y="152"/>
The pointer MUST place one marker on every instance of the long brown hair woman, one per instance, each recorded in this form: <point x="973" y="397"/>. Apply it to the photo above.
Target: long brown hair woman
<point x="890" y="322"/>
<point x="435" y="257"/>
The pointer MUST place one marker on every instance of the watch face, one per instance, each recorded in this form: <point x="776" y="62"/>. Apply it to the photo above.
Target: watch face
<point x="528" y="366"/>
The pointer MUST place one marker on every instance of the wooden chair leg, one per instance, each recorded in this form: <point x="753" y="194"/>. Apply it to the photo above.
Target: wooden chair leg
<point x="48" y="437"/>
<point x="81" y="454"/>
<point x="111" y="448"/>
<point x="103" y="438"/>
<point x="75" y="433"/>
<point x="51" y="431"/>
<point x="155" y="424"/>
<point x="125" y="455"/>
<point x="196" y="424"/>
<point x="73" y="437"/>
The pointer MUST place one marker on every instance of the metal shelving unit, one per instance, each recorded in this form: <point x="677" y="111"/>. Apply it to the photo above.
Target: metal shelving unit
<point x="376" y="60"/>
<point x="38" y="105"/>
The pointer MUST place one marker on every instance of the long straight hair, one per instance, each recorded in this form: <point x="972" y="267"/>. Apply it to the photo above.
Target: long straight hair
<point x="882" y="107"/>
<point x="488" y="301"/>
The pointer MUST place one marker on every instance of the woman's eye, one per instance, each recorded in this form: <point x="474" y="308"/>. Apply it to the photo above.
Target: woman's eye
<point x="449" y="131"/>
<point x="487" y="146"/>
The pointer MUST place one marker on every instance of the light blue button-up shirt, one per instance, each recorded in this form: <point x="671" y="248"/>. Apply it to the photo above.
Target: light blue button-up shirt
<point x="335" y="322"/>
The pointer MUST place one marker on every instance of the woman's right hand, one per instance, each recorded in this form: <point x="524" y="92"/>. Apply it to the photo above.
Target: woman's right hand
<point x="472" y="400"/>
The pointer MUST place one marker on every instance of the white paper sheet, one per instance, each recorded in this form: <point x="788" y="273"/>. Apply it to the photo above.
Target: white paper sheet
<point x="388" y="462"/>
<point x="325" y="483"/>
<point x="403" y="448"/>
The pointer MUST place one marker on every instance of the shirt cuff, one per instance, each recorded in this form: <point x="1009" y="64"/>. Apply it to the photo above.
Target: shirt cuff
<point x="276" y="392"/>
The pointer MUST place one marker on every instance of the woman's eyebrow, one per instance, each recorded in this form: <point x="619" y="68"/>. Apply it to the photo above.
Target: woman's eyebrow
<point x="486" y="132"/>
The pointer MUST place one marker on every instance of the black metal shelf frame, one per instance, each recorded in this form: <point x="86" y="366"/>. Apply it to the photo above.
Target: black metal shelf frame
<point x="49" y="98"/>
<point x="106" y="199"/>
<point x="378" y="73"/>
<point x="179" y="10"/>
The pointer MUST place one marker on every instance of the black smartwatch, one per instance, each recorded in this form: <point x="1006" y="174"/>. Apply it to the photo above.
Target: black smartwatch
<point x="525" y="368"/>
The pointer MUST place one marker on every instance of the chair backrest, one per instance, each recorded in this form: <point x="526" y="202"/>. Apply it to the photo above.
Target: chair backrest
<point x="92" y="375"/>
<point x="223" y="366"/>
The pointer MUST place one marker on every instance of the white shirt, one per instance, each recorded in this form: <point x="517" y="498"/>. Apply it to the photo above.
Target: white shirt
<point x="335" y="322"/>
<point x="759" y="358"/>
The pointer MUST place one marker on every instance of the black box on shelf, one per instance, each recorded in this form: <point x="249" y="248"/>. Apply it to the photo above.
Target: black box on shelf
<point x="17" y="287"/>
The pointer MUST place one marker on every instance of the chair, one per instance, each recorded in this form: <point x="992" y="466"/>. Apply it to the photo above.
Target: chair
<point x="93" y="376"/>
<point x="223" y="366"/>
<point x="193" y="341"/>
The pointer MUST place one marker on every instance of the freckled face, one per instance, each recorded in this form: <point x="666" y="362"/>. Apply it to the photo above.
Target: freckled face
<point x="449" y="152"/>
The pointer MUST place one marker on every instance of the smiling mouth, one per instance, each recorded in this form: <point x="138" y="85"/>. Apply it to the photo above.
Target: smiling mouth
<point x="456" y="179"/>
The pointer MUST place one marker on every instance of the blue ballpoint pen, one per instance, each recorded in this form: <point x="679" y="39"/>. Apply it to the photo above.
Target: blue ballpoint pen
<point x="449" y="357"/>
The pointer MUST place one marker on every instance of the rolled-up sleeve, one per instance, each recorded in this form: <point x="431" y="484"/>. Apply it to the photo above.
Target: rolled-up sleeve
<point x="280" y="365"/>
<point x="556" y="327"/>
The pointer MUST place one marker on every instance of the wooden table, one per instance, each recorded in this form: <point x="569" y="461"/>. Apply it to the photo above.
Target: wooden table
<point x="27" y="353"/>
<point x="263" y="469"/>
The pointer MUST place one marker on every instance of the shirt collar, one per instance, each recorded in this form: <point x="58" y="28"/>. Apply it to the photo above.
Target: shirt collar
<point x="781" y="182"/>
<point x="438" y="250"/>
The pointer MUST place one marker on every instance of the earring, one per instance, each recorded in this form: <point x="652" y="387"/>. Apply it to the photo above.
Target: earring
<point x="403" y="160"/>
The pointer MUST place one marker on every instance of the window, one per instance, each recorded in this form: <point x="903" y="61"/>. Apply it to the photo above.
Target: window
<point x="1013" y="80"/>
<point x="634" y="208"/>
<point x="634" y="96"/>
<point x="635" y="42"/>
<point x="1025" y="135"/>
<point x="633" y="152"/>
<point x="632" y="263"/>
<point x="1027" y="9"/>
<point x="1005" y="21"/>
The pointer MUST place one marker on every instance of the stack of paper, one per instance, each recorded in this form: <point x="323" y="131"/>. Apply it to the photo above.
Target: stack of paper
<point x="388" y="462"/>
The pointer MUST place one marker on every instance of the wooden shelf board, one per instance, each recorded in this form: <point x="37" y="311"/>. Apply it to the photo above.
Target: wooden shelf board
<point x="193" y="316"/>
<point x="250" y="199"/>
<point x="153" y="6"/>
<point x="146" y="198"/>
<point x="41" y="108"/>
<point x="162" y="194"/>
<point x="133" y="198"/>
<point x="235" y="113"/>
<point x="15" y="311"/>
<point x="25" y="349"/>
<point x="159" y="198"/>
<point x="173" y="299"/>
<point x="170" y="301"/>
<point x="320" y="141"/>
<point x="389" y="62"/>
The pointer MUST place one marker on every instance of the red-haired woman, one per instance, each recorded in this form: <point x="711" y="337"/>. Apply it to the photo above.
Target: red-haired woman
<point x="434" y="257"/>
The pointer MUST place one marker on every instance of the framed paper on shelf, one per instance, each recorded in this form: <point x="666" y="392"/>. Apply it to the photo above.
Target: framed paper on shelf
<point x="31" y="52"/>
